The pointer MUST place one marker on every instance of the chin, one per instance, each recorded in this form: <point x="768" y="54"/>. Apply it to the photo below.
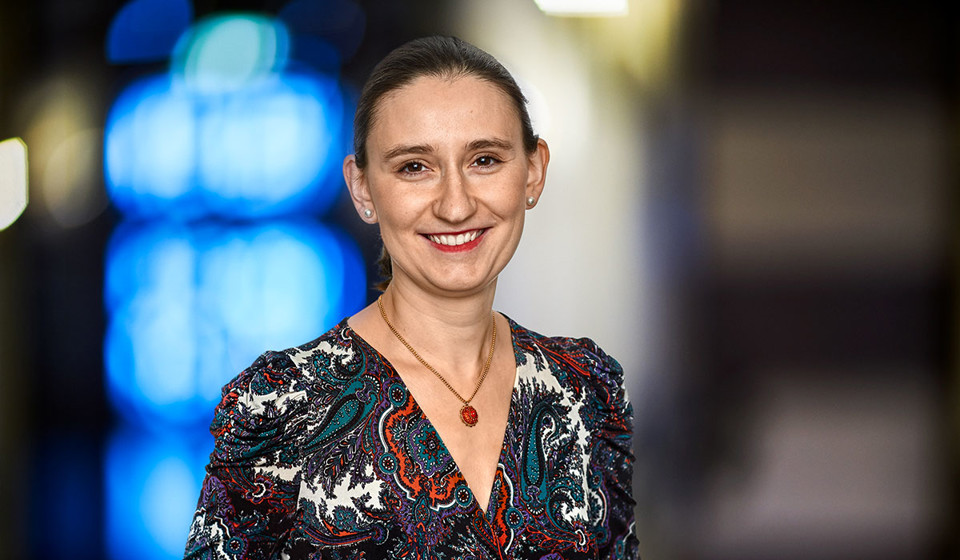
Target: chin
<point x="462" y="285"/>
<point x="460" y="288"/>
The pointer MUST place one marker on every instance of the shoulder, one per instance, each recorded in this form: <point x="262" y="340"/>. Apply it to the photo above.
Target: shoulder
<point x="267" y="389"/>
<point x="577" y="364"/>
<point x="581" y="354"/>
<point x="277" y="379"/>
<point x="580" y="369"/>
<point x="272" y="397"/>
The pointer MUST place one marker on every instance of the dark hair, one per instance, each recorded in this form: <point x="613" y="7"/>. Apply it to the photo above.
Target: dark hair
<point x="442" y="57"/>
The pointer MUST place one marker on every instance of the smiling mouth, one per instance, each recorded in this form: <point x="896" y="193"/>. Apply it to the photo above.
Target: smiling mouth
<point x="455" y="239"/>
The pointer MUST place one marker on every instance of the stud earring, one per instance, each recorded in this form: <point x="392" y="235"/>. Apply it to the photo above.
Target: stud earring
<point x="367" y="212"/>
<point x="530" y="201"/>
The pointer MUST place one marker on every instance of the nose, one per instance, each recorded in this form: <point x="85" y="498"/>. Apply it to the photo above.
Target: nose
<point x="454" y="203"/>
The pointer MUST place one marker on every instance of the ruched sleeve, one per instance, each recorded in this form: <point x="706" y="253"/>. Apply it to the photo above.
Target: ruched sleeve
<point x="611" y="456"/>
<point x="249" y="494"/>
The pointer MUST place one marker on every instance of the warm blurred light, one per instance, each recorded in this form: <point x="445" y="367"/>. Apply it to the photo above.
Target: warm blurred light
<point x="229" y="52"/>
<point x="63" y="132"/>
<point x="264" y="150"/>
<point x="191" y="306"/>
<point x="644" y="43"/>
<point x="13" y="181"/>
<point x="537" y="106"/>
<point x="151" y="482"/>
<point x="584" y="7"/>
<point x="147" y="30"/>
<point x="320" y="25"/>
<point x="72" y="190"/>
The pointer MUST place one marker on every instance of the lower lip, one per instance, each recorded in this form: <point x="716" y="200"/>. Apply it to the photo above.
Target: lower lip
<point x="458" y="248"/>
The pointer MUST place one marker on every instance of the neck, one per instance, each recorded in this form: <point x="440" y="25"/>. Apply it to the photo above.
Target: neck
<point x="453" y="334"/>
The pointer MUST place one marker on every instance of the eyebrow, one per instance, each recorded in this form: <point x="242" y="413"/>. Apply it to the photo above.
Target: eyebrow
<point x="404" y="149"/>
<point x="481" y="144"/>
<point x="486" y="143"/>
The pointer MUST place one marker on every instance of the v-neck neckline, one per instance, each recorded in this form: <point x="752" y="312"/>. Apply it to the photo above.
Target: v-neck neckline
<point x="395" y="375"/>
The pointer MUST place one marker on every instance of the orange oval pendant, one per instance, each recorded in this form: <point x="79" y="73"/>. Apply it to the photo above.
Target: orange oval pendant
<point x="469" y="415"/>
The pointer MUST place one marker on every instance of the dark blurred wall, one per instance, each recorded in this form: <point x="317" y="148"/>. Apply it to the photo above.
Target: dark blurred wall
<point x="817" y="410"/>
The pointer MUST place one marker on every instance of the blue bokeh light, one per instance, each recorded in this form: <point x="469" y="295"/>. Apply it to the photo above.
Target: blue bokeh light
<point x="267" y="150"/>
<point x="230" y="52"/>
<point x="151" y="484"/>
<point x="191" y="306"/>
<point x="147" y="30"/>
<point x="219" y="168"/>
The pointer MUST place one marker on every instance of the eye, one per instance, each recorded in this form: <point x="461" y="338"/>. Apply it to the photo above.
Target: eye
<point x="486" y="161"/>
<point x="413" y="167"/>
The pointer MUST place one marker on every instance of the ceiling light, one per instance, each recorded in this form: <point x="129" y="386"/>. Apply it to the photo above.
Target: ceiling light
<point x="583" y="8"/>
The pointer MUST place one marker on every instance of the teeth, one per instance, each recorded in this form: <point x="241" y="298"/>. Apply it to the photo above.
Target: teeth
<point x="454" y="240"/>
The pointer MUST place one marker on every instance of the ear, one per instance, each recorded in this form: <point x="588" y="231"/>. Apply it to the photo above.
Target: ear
<point x="537" y="171"/>
<point x="356" y="181"/>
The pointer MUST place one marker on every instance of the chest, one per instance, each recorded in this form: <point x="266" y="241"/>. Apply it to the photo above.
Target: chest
<point x="475" y="450"/>
<point x="394" y="479"/>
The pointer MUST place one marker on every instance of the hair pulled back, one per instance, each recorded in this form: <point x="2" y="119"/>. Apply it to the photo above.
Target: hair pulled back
<point x="441" y="57"/>
<point x="436" y="56"/>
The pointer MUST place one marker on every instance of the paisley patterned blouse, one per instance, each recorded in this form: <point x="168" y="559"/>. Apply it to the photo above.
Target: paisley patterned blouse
<point x="321" y="452"/>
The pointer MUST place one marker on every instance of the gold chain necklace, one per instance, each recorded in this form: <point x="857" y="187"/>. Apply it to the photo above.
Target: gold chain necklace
<point x="468" y="414"/>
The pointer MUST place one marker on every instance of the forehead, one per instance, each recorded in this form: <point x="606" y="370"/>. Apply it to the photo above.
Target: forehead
<point x="431" y="108"/>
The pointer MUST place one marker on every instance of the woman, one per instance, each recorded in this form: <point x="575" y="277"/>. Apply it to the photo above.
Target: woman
<point x="427" y="425"/>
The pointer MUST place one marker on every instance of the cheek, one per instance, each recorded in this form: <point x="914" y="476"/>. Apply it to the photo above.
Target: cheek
<point x="517" y="200"/>
<point x="398" y="214"/>
<point x="397" y="219"/>
<point x="509" y="192"/>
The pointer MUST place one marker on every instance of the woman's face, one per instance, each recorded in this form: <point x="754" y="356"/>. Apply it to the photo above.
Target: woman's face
<point x="447" y="179"/>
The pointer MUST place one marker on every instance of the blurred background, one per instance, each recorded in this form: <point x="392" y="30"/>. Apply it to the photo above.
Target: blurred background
<point x="751" y="204"/>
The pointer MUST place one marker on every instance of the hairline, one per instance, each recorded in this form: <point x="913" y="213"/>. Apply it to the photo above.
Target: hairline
<point x="449" y="75"/>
